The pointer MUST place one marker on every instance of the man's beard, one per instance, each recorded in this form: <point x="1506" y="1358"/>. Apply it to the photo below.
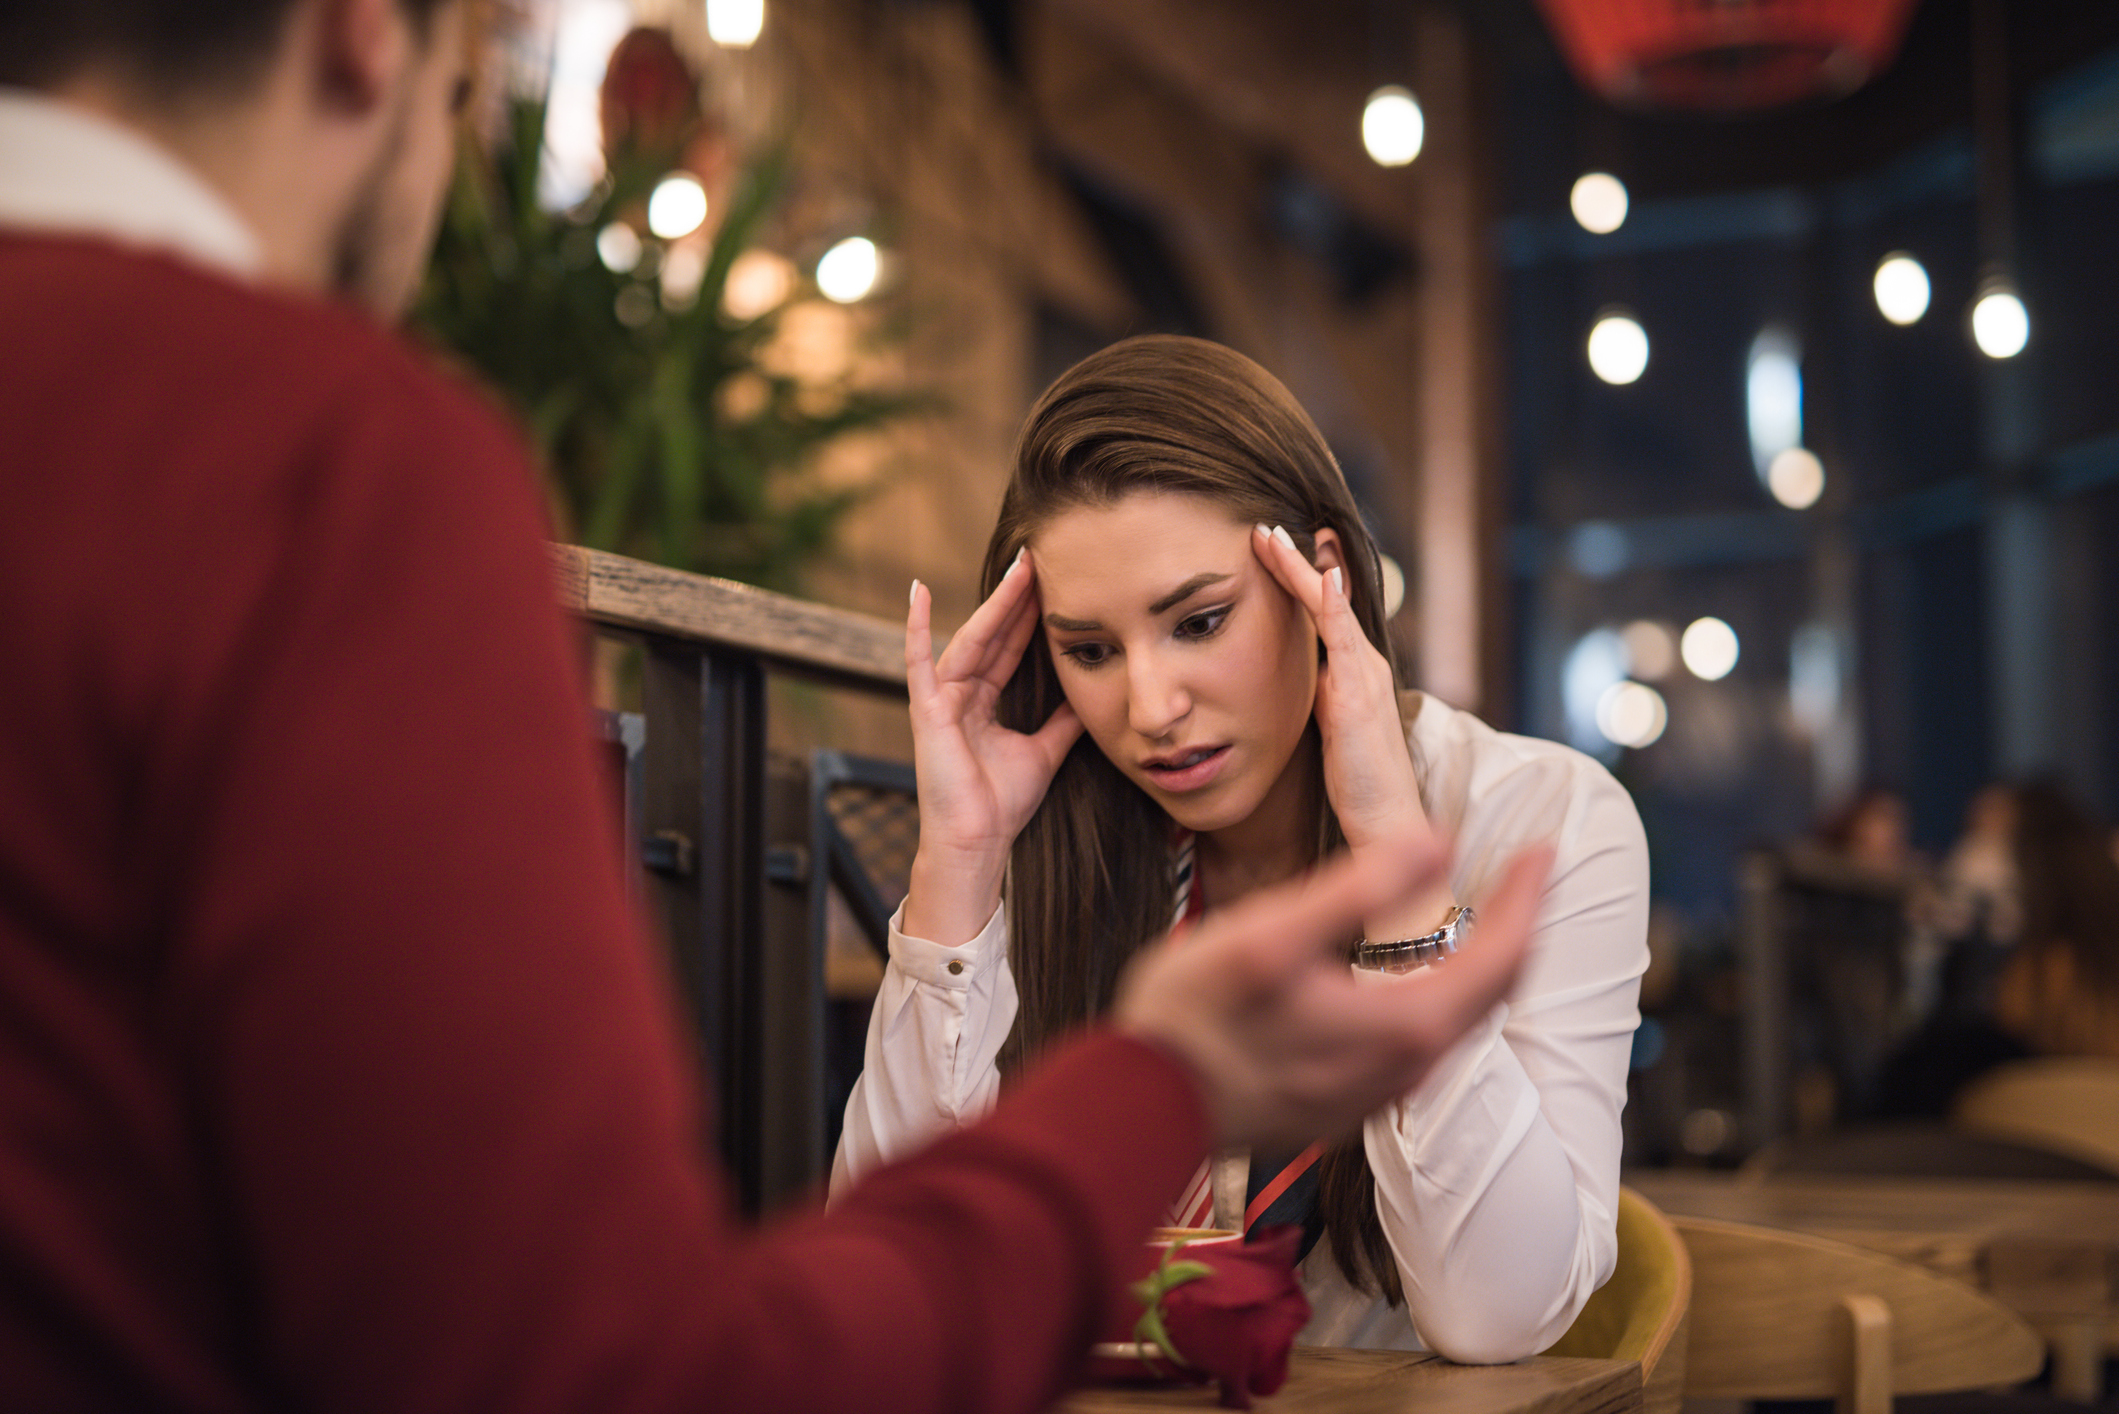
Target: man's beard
<point x="360" y="265"/>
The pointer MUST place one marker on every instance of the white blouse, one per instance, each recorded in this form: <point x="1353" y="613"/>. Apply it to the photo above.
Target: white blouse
<point x="1497" y="1179"/>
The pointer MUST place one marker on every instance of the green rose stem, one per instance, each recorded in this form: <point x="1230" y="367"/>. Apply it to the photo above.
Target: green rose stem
<point x="1149" y="1329"/>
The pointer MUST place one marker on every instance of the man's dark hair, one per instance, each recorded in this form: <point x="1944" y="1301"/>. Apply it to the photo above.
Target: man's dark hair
<point x="173" y="45"/>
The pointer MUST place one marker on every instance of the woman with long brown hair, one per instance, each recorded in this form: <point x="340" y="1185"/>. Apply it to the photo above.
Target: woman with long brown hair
<point x="1179" y="689"/>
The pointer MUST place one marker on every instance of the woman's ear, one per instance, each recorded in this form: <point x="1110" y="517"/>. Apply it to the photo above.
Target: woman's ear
<point x="1329" y="553"/>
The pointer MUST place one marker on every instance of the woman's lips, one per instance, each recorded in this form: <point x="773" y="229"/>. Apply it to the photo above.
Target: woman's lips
<point x="1188" y="770"/>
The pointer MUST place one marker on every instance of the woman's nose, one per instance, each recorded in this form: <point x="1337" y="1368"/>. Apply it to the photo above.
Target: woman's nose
<point x="1156" y="700"/>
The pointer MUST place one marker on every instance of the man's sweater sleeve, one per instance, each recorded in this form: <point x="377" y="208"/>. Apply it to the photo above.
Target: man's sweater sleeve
<point x="434" y="1062"/>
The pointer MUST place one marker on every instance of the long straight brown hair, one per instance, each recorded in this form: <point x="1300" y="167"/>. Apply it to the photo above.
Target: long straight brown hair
<point x="1092" y="876"/>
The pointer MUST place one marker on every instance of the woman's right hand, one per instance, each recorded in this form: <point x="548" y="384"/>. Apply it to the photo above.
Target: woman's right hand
<point x="979" y="782"/>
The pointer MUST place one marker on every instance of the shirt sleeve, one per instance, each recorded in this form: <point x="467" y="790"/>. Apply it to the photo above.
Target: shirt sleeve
<point x="1497" y="1180"/>
<point x="930" y="1063"/>
<point x="433" y="1063"/>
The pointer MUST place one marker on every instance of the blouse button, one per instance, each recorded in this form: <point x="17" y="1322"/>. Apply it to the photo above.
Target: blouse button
<point x="955" y="968"/>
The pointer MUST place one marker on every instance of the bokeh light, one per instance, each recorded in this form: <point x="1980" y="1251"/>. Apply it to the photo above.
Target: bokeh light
<point x="1599" y="202"/>
<point x="1796" y="478"/>
<point x="1901" y="288"/>
<point x="678" y="206"/>
<point x="1773" y="396"/>
<point x="1709" y="648"/>
<point x="1595" y="663"/>
<point x="682" y="272"/>
<point x="1392" y="126"/>
<point x="848" y="270"/>
<point x="1393" y="575"/>
<point x="1651" y="649"/>
<point x="618" y="247"/>
<point x="758" y="282"/>
<point x="2001" y="326"/>
<point x="1618" y="349"/>
<point x="1631" y="714"/>
<point x="735" y="24"/>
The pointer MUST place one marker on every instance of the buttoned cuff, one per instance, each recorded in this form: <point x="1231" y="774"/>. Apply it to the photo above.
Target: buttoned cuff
<point x="952" y="967"/>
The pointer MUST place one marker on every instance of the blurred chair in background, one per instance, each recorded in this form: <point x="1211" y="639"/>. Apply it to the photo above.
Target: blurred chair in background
<point x="1777" y="1315"/>
<point x="2064" y="1106"/>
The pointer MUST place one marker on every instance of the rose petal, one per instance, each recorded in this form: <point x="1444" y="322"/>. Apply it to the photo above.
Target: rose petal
<point x="1239" y="1323"/>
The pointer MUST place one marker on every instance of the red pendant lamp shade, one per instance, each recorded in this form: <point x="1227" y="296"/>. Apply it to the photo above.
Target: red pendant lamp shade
<point x="1726" y="55"/>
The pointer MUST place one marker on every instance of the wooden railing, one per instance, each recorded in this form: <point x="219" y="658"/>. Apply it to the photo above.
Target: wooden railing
<point x="749" y="970"/>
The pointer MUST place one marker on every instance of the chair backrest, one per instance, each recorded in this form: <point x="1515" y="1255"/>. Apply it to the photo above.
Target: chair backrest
<point x="1640" y="1314"/>
<point x="1781" y="1315"/>
<point x="2066" y="1104"/>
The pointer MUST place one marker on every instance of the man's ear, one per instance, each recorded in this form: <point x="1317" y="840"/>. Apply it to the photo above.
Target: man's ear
<point x="361" y="48"/>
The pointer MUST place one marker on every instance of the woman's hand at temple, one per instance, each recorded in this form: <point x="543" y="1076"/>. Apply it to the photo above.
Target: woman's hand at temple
<point x="1368" y="768"/>
<point x="979" y="782"/>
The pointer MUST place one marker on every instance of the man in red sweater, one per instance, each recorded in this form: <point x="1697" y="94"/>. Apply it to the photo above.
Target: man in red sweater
<point x="333" y="1073"/>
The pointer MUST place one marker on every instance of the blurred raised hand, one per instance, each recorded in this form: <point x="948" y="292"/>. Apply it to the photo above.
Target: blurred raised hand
<point x="1289" y="1043"/>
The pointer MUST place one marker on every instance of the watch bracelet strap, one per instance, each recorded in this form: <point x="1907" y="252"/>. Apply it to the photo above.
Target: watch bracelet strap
<point x="1408" y="954"/>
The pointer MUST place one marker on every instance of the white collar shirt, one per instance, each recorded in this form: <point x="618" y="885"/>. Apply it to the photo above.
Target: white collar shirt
<point x="67" y="171"/>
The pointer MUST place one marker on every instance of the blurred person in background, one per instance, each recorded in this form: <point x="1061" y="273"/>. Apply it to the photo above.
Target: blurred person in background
<point x="1179" y="689"/>
<point x="2058" y="992"/>
<point x="1847" y="894"/>
<point x="1977" y="889"/>
<point x="2027" y="912"/>
<point x="1870" y="834"/>
<point x="334" y="1073"/>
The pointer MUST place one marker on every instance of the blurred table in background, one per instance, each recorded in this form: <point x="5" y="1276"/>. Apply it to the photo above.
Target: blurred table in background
<point x="1333" y="1381"/>
<point x="2046" y="1250"/>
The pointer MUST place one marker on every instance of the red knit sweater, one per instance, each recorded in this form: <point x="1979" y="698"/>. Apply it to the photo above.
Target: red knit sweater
<point x="333" y="1073"/>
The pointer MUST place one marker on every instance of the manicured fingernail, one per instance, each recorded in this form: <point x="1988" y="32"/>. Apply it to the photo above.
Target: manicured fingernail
<point x="1280" y="533"/>
<point x="1020" y="551"/>
<point x="1265" y="530"/>
<point x="1338" y="582"/>
<point x="914" y="596"/>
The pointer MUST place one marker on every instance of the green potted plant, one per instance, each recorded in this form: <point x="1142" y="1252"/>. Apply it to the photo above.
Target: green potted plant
<point x="667" y="431"/>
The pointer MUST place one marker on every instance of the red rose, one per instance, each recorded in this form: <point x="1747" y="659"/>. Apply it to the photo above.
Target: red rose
<point x="1237" y="1321"/>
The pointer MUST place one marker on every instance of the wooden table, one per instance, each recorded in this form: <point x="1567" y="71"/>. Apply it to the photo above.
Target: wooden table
<point x="2048" y="1251"/>
<point x="1333" y="1381"/>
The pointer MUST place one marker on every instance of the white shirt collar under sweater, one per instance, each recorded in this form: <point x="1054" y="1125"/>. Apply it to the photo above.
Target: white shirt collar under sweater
<point x="66" y="171"/>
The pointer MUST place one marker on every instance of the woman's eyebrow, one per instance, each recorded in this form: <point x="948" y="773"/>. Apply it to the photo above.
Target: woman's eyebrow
<point x="1186" y="590"/>
<point x="1062" y="624"/>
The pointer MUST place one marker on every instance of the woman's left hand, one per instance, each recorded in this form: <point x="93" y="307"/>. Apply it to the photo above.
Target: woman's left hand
<point x="1368" y="769"/>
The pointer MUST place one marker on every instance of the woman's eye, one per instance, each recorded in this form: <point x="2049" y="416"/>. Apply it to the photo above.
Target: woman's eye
<point x="1088" y="655"/>
<point x="1203" y="624"/>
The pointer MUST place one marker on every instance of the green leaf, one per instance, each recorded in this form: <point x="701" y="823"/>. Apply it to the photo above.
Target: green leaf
<point x="1149" y="1330"/>
<point x="1178" y="1273"/>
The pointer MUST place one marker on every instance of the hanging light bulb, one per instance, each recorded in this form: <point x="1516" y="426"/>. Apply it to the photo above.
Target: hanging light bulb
<point x="1709" y="648"/>
<point x="2001" y="326"/>
<point x="1392" y="126"/>
<point x="1618" y="348"/>
<point x="1901" y="288"/>
<point x="1599" y="202"/>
